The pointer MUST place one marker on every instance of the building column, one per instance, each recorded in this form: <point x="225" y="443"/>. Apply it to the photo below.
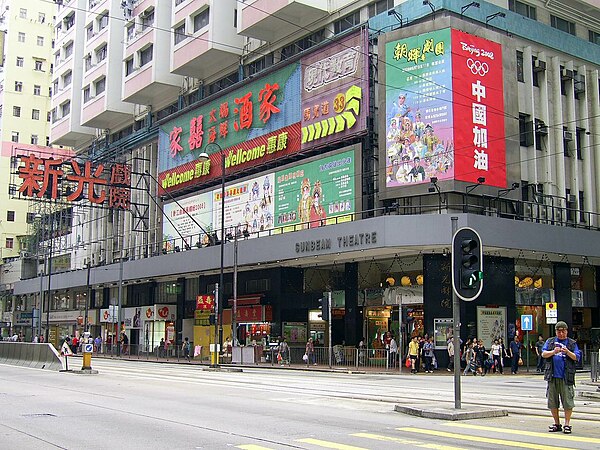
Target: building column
<point x="562" y="292"/>
<point x="353" y="317"/>
<point x="180" y="311"/>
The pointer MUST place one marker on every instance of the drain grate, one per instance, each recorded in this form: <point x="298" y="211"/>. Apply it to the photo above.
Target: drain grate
<point x="38" y="415"/>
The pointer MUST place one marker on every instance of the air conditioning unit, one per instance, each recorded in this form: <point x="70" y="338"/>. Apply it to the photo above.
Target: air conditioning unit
<point x="571" y="198"/>
<point x="541" y="127"/>
<point x="566" y="74"/>
<point x="579" y="84"/>
<point x="567" y="136"/>
<point x="25" y="254"/>
<point x="539" y="65"/>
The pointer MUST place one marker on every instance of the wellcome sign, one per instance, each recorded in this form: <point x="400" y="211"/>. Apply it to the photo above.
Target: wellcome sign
<point x="319" y="100"/>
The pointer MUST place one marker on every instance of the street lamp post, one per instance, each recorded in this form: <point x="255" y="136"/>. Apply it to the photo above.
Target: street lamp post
<point x="219" y="295"/>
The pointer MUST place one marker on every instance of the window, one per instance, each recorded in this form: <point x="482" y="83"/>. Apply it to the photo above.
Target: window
<point x="566" y="141"/>
<point x="130" y="30"/>
<point x="48" y="116"/>
<point x="19" y="61"/>
<point x="541" y="130"/>
<point x="21" y="37"/>
<point x="40" y="41"/>
<point x="47" y="141"/>
<point x="10" y="216"/>
<point x="235" y="18"/>
<point x="17" y="111"/>
<point x="258" y="65"/>
<point x="35" y="114"/>
<point x="201" y="20"/>
<point x="345" y="23"/>
<point x="30" y="217"/>
<point x="562" y="25"/>
<point x="101" y="54"/>
<point x="520" y="74"/>
<point x="23" y="13"/>
<point x="67" y="78"/>
<point x="582" y="213"/>
<point x="536" y="77"/>
<point x="10" y="243"/>
<point x="65" y="109"/>
<point x="55" y="86"/>
<point x="100" y="85"/>
<point x="87" y="95"/>
<point x="14" y="136"/>
<point x="87" y="62"/>
<point x="68" y="50"/>
<point x="103" y="21"/>
<point x="18" y="86"/>
<point x="594" y="37"/>
<point x="180" y="33"/>
<point x="380" y="7"/>
<point x="37" y="90"/>
<point x="38" y="65"/>
<point x="147" y="20"/>
<point x="129" y="66"/>
<point x="522" y="8"/>
<point x="89" y="31"/>
<point x="302" y="44"/>
<point x="579" y="132"/>
<point x="41" y="17"/>
<point x="34" y="139"/>
<point x="146" y="56"/>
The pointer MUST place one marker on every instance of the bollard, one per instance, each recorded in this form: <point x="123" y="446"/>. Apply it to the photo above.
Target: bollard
<point x="87" y="356"/>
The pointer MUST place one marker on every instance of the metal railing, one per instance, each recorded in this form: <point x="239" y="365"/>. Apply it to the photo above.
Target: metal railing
<point x="595" y="366"/>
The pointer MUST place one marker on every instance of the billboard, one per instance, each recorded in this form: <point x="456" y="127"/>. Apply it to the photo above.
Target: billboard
<point x="440" y="88"/>
<point x="319" y="100"/>
<point x="307" y="195"/>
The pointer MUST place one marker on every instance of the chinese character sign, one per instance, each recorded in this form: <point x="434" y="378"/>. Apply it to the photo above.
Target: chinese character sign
<point x="418" y="135"/>
<point x="480" y="149"/>
<point x="96" y="182"/>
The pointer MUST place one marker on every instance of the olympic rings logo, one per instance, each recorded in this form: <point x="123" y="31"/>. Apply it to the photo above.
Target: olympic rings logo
<point x="477" y="67"/>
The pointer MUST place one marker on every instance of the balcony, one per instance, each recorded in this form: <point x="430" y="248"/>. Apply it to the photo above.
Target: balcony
<point x="271" y="20"/>
<point x="212" y="44"/>
<point x="68" y="132"/>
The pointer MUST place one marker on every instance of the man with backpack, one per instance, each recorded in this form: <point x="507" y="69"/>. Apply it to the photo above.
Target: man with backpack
<point x="561" y="354"/>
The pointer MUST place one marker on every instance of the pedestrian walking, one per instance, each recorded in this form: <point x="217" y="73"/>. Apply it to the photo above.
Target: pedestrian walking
<point x="186" y="347"/>
<point x="413" y="354"/>
<point x="428" y="355"/>
<point x="283" y="356"/>
<point x="310" y="352"/>
<point x="470" y="360"/>
<point x="481" y="355"/>
<point x="561" y="354"/>
<point x="450" y="349"/>
<point x="393" y="352"/>
<point x="496" y="352"/>
<point x="515" y="355"/>
<point x="98" y="344"/>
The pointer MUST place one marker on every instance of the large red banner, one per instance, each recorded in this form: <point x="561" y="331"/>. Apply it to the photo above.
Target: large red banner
<point x="478" y="105"/>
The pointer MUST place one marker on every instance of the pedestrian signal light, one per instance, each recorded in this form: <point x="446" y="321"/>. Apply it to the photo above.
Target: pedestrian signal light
<point x="467" y="264"/>
<point x="324" y="307"/>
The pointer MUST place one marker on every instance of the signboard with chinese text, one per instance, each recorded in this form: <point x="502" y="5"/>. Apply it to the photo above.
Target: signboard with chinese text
<point x="72" y="180"/>
<point x="491" y="324"/>
<point x="335" y="91"/>
<point x="444" y="106"/>
<point x="205" y="302"/>
<point x="318" y="101"/>
<point x="249" y="314"/>
<point x="419" y="142"/>
<point x="480" y="149"/>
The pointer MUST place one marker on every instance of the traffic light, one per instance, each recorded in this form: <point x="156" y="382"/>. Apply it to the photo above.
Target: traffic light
<point x="324" y="307"/>
<point x="467" y="264"/>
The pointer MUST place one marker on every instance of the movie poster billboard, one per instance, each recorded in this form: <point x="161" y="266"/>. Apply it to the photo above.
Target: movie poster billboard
<point x="189" y="217"/>
<point x="480" y="148"/>
<point x="335" y="85"/>
<point x="418" y="92"/>
<point x="317" y="193"/>
<point x="249" y="205"/>
<point x="444" y="109"/>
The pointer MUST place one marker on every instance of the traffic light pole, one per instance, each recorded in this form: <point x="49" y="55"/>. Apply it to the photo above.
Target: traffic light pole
<point x="329" y="325"/>
<point x="456" y="334"/>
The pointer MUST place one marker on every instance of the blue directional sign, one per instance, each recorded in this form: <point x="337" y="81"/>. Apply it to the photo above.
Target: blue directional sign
<point x="526" y="322"/>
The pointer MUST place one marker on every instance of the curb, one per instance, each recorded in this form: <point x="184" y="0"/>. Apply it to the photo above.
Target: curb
<point x="433" y="412"/>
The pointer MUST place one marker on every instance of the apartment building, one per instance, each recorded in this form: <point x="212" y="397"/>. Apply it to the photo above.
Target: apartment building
<point x="350" y="133"/>
<point x="24" y="125"/>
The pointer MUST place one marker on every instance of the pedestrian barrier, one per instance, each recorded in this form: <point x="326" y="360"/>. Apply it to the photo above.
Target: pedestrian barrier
<point x="595" y="366"/>
<point x="27" y="354"/>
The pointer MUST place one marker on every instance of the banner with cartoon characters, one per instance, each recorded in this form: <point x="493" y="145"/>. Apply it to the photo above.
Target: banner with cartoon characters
<point x="443" y="109"/>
